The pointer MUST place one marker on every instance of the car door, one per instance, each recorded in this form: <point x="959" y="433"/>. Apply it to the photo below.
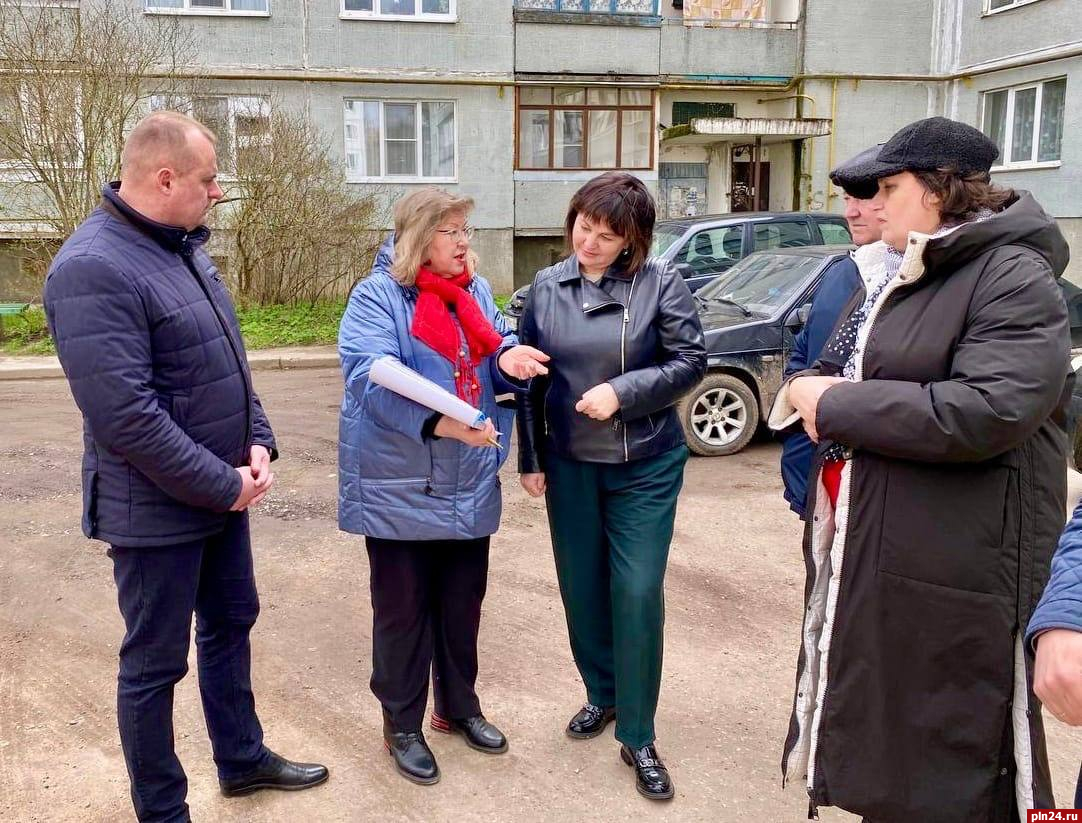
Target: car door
<point x="709" y="252"/>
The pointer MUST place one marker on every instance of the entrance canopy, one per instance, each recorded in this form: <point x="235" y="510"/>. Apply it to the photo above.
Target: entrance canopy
<point x="707" y="130"/>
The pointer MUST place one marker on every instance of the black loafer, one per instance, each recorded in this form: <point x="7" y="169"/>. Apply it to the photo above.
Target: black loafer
<point x="278" y="773"/>
<point x="590" y="721"/>
<point x="479" y="733"/>
<point x="651" y="777"/>
<point x="412" y="757"/>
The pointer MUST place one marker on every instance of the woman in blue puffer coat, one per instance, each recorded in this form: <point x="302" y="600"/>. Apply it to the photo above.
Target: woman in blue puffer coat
<point x="423" y="489"/>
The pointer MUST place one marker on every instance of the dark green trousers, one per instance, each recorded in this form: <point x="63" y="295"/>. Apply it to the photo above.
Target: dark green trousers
<point x="611" y="528"/>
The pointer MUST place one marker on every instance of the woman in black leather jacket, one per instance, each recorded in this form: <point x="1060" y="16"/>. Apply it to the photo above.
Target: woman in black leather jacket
<point x="600" y="439"/>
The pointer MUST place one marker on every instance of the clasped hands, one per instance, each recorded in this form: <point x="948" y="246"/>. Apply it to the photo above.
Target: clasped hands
<point x="256" y="479"/>
<point x="805" y="393"/>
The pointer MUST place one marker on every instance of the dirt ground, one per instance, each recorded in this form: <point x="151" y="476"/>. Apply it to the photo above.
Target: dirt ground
<point x="733" y="597"/>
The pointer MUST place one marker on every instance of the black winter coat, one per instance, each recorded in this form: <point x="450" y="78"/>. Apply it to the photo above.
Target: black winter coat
<point x="914" y="698"/>
<point x="638" y="331"/>
<point x="149" y="341"/>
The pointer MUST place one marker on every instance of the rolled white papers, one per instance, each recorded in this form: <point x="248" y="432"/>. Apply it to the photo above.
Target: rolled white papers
<point x="392" y="374"/>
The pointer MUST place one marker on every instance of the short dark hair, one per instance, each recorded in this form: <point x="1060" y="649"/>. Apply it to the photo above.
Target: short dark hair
<point x="622" y="201"/>
<point x="963" y="195"/>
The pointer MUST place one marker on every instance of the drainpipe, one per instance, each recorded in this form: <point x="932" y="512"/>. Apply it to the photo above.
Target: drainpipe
<point x="830" y="149"/>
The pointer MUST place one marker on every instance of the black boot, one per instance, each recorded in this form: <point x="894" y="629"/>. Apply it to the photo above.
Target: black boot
<point x="590" y="721"/>
<point x="651" y="777"/>
<point x="278" y="773"/>
<point x="479" y="733"/>
<point x="412" y="757"/>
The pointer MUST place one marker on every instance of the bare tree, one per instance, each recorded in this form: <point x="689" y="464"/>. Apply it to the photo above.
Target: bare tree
<point x="72" y="81"/>
<point x="300" y="232"/>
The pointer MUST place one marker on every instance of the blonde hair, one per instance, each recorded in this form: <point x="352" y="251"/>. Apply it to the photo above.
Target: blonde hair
<point x="161" y="139"/>
<point x="416" y="217"/>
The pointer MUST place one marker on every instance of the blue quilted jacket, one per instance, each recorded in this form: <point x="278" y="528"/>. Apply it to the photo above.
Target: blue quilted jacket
<point x="392" y="482"/>
<point x="1061" y="603"/>
<point x="149" y="341"/>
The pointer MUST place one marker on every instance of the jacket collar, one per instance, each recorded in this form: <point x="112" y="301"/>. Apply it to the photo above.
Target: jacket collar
<point x="569" y="271"/>
<point x="171" y="238"/>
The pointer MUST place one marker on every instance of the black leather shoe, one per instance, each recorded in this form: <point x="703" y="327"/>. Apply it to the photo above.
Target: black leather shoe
<point x="651" y="777"/>
<point x="278" y="773"/>
<point x="590" y="721"/>
<point x="412" y="757"/>
<point x="479" y="733"/>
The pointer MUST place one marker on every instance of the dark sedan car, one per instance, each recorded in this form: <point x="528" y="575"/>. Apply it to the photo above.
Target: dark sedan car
<point x="704" y="247"/>
<point x="750" y="315"/>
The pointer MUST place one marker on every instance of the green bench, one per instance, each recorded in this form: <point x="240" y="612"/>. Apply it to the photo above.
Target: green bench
<point x="12" y="308"/>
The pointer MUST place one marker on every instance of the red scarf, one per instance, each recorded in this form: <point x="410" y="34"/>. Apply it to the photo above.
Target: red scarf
<point x="434" y="326"/>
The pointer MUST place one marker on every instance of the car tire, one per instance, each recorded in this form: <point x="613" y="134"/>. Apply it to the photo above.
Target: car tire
<point x="720" y="416"/>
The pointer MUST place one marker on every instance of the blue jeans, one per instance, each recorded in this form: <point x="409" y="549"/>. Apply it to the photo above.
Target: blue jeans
<point x="158" y="590"/>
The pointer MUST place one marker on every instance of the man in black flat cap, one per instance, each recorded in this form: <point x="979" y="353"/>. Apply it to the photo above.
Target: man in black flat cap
<point x="840" y="282"/>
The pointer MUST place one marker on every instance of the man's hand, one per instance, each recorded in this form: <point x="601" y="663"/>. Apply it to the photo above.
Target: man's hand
<point x="533" y="483"/>
<point x="1057" y="675"/>
<point x="248" y="490"/>
<point x="804" y="394"/>
<point x="523" y="362"/>
<point x="446" y="427"/>
<point x="600" y="402"/>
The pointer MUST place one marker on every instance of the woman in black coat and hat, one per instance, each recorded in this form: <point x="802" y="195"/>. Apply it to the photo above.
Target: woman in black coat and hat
<point x="939" y="492"/>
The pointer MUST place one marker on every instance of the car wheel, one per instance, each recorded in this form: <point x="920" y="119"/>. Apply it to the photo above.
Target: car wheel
<point x="719" y="416"/>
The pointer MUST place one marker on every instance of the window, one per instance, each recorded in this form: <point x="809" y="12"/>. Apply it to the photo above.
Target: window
<point x="1026" y="122"/>
<point x="439" y="10"/>
<point x="400" y="140"/>
<point x="569" y="127"/>
<point x="39" y="125"/>
<point x="683" y="112"/>
<point x="782" y="234"/>
<point x="835" y="232"/>
<point x="592" y="6"/>
<point x="241" y="7"/>
<point x="242" y="124"/>
<point x="712" y="250"/>
<point x="992" y="6"/>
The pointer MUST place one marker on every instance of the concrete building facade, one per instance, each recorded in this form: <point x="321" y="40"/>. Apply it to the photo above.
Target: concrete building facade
<point x="716" y="106"/>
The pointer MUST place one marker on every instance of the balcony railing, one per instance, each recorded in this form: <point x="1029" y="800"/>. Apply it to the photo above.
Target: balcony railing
<point x="642" y="7"/>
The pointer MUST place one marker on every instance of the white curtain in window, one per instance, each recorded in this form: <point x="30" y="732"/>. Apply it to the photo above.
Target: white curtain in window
<point x="1050" y="139"/>
<point x="249" y="5"/>
<point x="400" y="125"/>
<point x="601" y="146"/>
<point x="438" y="136"/>
<point x="635" y="140"/>
<point x="533" y="139"/>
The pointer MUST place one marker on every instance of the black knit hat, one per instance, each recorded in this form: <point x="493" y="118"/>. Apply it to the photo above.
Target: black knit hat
<point x="854" y="175"/>
<point x="934" y="143"/>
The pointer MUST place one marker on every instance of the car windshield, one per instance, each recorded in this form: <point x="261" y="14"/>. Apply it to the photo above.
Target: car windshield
<point x="663" y="239"/>
<point x="761" y="283"/>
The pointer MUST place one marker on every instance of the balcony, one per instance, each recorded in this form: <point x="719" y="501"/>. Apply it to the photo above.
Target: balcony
<point x="597" y="12"/>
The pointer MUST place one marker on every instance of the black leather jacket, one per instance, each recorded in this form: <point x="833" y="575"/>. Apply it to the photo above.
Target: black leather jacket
<point x="639" y="331"/>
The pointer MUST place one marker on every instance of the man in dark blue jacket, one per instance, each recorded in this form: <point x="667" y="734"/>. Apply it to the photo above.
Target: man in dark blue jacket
<point x="176" y="449"/>
<point x="1055" y="630"/>
<point x="841" y="281"/>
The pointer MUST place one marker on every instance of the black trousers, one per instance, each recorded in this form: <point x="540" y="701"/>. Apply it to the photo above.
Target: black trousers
<point x="426" y="609"/>
<point x="158" y="590"/>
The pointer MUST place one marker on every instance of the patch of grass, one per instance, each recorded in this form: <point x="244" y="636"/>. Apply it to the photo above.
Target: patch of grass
<point x="25" y="333"/>
<point x="265" y="327"/>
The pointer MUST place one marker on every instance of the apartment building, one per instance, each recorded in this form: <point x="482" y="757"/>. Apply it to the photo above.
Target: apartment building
<point x="718" y="105"/>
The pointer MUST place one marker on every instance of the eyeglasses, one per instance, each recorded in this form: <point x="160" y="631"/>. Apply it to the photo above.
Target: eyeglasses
<point x="454" y="234"/>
